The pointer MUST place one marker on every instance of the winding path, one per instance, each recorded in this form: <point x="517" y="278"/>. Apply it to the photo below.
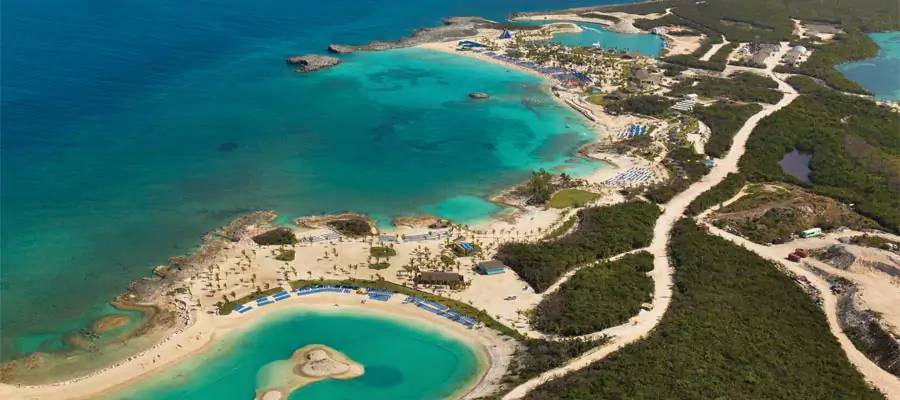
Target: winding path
<point x="881" y="379"/>
<point x="640" y="326"/>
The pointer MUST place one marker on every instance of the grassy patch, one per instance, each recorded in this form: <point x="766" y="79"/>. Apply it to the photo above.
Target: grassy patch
<point x="572" y="198"/>
<point x="285" y="254"/>
<point x="597" y="297"/>
<point x="379" y="265"/>
<point x="737" y="328"/>
<point x="382" y="252"/>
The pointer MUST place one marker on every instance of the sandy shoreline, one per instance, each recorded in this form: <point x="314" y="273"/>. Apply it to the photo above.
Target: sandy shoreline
<point x="206" y="332"/>
<point x="495" y="350"/>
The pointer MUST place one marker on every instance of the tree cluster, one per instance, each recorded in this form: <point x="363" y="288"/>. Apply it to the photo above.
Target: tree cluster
<point x="602" y="232"/>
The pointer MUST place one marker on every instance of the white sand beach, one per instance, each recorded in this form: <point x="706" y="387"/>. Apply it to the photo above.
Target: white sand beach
<point x="200" y="337"/>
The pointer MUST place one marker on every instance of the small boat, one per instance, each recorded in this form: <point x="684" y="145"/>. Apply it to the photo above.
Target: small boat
<point x="597" y="45"/>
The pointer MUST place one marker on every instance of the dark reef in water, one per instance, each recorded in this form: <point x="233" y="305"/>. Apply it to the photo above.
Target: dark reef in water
<point x="227" y="146"/>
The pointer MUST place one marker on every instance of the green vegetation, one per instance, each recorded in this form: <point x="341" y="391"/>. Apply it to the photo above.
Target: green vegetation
<point x="572" y="198"/>
<point x="742" y="86"/>
<point x="685" y="167"/>
<point x="540" y="186"/>
<point x="351" y="226"/>
<point x="877" y="242"/>
<point x="767" y="213"/>
<point x="770" y="20"/>
<point x="382" y="252"/>
<point x="851" y="45"/>
<point x="605" y="17"/>
<point x="644" y="104"/>
<point x="277" y="236"/>
<point x="724" y="120"/>
<point x="562" y="228"/>
<point x="285" y="255"/>
<point x="854" y="146"/>
<point x="597" y="297"/>
<point x="737" y="328"/>
<point x="728" y="188"/>
<point x="602" y="232"/>
<point x="717" y="62"/>
<point x="537" y="356"/>
<point x="598" y="99"/>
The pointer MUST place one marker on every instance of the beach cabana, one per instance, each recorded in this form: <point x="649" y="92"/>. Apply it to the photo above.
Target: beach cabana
<point x="492" y="267"/>
<point x="469" y="44"/>
<point x="451" y="279"/>
<point x="506" y="35"/>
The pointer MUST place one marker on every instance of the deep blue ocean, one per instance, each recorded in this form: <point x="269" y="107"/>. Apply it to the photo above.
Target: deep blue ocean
<point x="131" y="127"/>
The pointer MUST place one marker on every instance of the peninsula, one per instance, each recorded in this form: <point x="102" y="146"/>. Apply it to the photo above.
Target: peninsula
<point x="691" y="226"/>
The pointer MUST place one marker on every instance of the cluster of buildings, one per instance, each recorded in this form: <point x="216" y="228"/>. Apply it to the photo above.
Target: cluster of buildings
<point x="757" y="54"/>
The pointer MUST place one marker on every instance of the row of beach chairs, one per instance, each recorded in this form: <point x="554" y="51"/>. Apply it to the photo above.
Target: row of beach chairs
<point x="633" y="130"/>
<point x="558" y="73"/>
<point x="442" y="310"/>
<point x="633" y="176"/>
<point x="323" y="237"/>
<point x="425" y="236"/>
<point x="323" y="289"/>
<point x="380" y="295"/>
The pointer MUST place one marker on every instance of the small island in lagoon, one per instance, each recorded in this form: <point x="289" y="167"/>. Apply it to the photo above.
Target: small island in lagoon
<point x="671" y="132"/>
<point x="307" y="365"/>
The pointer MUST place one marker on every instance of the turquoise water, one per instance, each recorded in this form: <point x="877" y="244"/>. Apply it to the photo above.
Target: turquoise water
<point x="643" y="43"/>
<point x="880" y="75"/>
<point x="401" y="361"/>
<point x="130" y="128"/>
<point x="646" y="44"/>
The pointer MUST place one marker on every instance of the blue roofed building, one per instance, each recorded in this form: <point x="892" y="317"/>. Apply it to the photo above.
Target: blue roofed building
<point x="492" y="267"/>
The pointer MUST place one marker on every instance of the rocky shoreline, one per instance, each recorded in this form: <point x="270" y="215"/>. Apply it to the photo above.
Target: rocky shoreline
<point x="312" y="62"/>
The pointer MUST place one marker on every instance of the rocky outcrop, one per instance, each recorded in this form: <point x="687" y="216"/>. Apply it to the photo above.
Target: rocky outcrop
<point x="340" y="49"/>
<point x="310" y="63"/>
<point x="868" y="332"/>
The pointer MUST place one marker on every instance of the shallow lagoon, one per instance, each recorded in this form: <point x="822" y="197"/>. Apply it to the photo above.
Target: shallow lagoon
<point x="402" y="361"/>
<point x="880" y="75"/>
